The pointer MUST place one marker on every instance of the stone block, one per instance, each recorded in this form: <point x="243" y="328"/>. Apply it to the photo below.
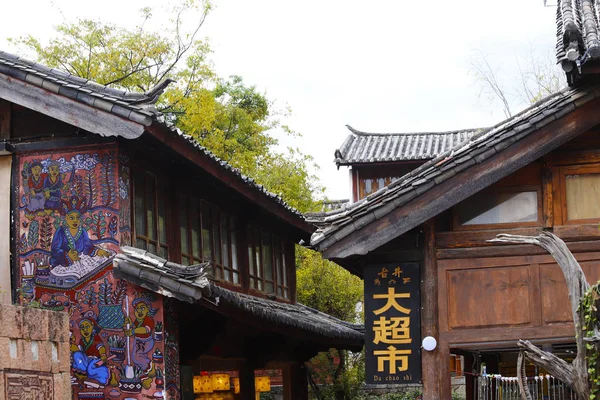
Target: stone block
<point x="58" y="326"/>
<point x="2" y="387"/>
<point x="35" y="323"/>
<point x="64" y="357"/>
<point x="62" y="386"/>
<point x="11" y="321"/>
<point x="44" y="362"/>
<point x="4" y="353"/>
<point x="18" y="355"/>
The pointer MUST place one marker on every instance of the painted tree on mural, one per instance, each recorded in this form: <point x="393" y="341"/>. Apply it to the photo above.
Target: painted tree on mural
<point x="583" y="374"/>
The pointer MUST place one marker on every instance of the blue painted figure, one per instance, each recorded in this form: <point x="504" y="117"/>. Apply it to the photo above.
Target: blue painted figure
<point x="71" y="240"/>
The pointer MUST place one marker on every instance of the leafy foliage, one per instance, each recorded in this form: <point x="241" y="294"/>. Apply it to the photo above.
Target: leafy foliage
<point x="588" y="305"/>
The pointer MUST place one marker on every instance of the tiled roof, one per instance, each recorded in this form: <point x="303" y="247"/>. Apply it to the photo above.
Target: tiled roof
<point x="174" y="280"/>
<point x="361" y="147"/>
<point x="335" y="225"/>
<point x="133" y="106"/>
<point x="137" y="107"/>
<point x="577" y="30"/>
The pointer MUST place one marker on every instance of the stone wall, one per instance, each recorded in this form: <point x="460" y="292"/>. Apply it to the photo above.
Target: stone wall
<point x="34" y="354"/>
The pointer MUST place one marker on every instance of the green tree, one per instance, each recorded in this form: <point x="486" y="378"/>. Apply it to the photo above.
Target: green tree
<point x="327" y="287"/>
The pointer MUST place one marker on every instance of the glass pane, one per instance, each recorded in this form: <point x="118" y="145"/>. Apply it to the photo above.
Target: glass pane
<point x="234" y="257"/>
<point x="162" y="216"/>
<point x="162" y="252"/>
<point x="253" y="283"/>
<point x="583" y="196"/>
<point x="152" y="248"/>
<point x="207" y="243"/>
<point x="196" y="233"/>
<point x="498" y="208"/>
<point x="185" y="261"/>
<point x="236" y="278"/>
<point x="225" y="240"/>
<point x="259" y="284"/>
<point x="227" y="275"/>
<point x="269" y="287"/>
<point x="218" y="274"/>
<point x="140" y="244"/>
<point x="183" y="227"/>
<point x="216" y="239"/>
<point x="150" y="193"/>
<point x="280" y="291"/>
<point x="381" y="183"/>
<point x="285" y="293"/>
<point x="267" y="256"/>
<point x="278" y="263"/>
<point x="259" y="265"/>
<point x="140" y="211"/>
<point x="368" y="187"/>
<point x="251" y="259"/>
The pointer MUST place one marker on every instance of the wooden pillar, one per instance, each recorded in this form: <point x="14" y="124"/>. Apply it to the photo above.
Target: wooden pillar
<point x="247" y="389"/>
<point x="469" y="376"/>
<point x="436" y="377"/>
<point x="295" y="382"/>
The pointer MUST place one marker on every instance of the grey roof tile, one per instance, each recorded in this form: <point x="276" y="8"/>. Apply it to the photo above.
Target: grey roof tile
<point x="364" y="148"/>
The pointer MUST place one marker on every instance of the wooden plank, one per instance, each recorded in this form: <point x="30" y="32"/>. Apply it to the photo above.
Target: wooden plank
<point x="459" y="239"/>
<point x="5" y="224"/>
<point x="509" y="261"/>
<point x="577" y="232"/>
<point x="67" y="110"/>
<point x="433" y="380"/>
<point x="547" y="198"/>
<point x="483" y="337"/>
<point x="514" y="250"/>
<point x="465" y="184"/>
<point x="5" y="119"/>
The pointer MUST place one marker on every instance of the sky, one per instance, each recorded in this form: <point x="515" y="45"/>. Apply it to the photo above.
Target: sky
<point x="379" y="65"/>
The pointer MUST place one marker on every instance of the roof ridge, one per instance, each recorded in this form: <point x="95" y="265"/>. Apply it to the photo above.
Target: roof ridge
<point x="361" y="133"/>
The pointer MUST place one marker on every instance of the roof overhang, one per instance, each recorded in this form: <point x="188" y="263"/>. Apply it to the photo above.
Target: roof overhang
<point x="67" y="110"/>
<point x="176" y="281"/>
<point x="366" y="229"/>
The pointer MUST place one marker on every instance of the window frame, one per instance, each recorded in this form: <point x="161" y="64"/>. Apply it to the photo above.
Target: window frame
<point x="256" y="273"/>
<point x="197" y="208"/>
<point x="159" y="195"/>
<point x="457" y="226"/>
<point x="563" y="171"/>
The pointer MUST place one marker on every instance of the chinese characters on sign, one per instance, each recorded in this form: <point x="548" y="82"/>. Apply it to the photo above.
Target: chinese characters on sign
<point x="392" y="323"/>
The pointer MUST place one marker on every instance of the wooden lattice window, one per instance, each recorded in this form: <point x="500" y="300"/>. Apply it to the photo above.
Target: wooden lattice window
<point x="150" y="214"/>
<point x="207" y="234"/>
<point x="266" y="259"/>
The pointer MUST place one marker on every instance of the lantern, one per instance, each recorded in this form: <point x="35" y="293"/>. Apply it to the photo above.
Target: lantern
<point x="220" y="382"/>
<point x="202" y="384"/>
<point x="262" y="384"/>
<point x="236" y="385"/>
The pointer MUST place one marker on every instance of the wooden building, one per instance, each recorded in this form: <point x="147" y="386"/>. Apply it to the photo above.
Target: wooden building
<point x="93" y="183"/>
<point x="536" y="171"/>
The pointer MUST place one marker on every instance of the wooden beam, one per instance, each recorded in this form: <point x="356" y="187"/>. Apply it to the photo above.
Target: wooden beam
<point x="70" y="111"/>
<point x="247" y="389"/>
<point x="5" y="119"/>
<point x="431" y="361"/>
<point x="229" y="178"/>
<point x="468" y="182"/>
<point x="515" y="250"/>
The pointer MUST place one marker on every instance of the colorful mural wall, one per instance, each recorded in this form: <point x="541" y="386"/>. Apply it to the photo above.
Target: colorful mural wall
<point x="74" y="213"/>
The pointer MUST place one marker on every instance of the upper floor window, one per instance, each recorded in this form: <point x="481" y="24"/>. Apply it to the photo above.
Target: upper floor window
<point x="207" y="234"/>
<point x="581" y="188"/>
<point x="150" y="214"/>
<point x="500" y="206"/>
<point x="266" y="259"/>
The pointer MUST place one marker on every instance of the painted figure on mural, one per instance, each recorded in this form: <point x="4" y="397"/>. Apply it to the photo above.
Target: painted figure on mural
<point x="71" y="240"/>
<point x="34" y="183"/>
<point x="53" y="183"/>
<point x="89" y="356"/>
<point x="141" y="330"/>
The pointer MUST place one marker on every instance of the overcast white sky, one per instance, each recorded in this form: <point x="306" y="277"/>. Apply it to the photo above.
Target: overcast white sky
<point x="379" y="65"/>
